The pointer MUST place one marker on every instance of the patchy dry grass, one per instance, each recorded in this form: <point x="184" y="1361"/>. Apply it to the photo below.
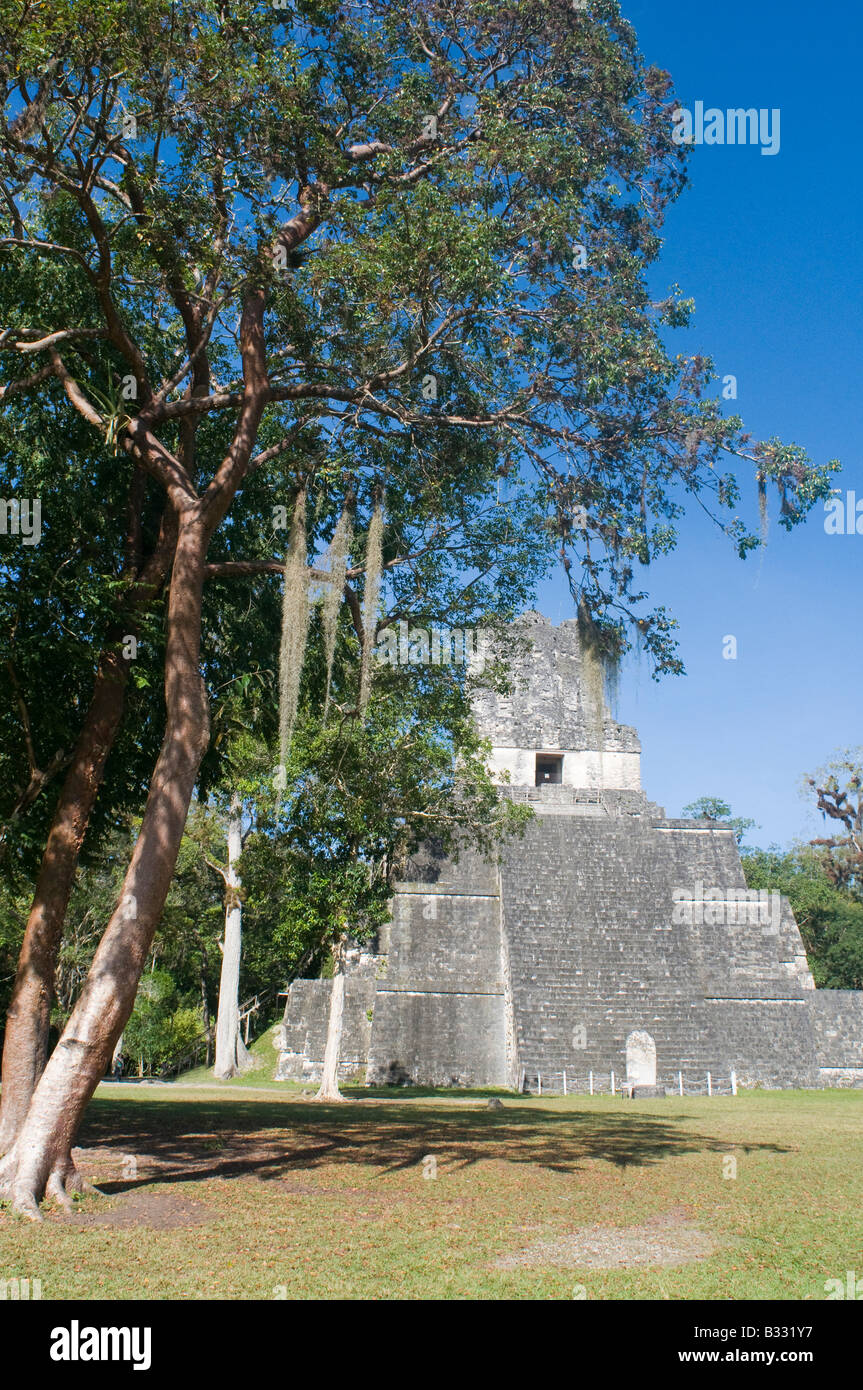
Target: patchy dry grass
<point x="225" y="1194"/>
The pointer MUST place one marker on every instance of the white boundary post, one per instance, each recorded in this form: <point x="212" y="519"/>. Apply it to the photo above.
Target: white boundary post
<point x="539" y="1079"/>
<point x="680" y="1082"/>
<point x="733" y="1082"/>
<point x="612" y="1084"/>
<point x="709" y="1084"/>
<point x="564" y="1082"/>
<point x="591" y="1083"/>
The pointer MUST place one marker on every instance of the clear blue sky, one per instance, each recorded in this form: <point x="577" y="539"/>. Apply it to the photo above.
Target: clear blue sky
<point x="770" y="250"/>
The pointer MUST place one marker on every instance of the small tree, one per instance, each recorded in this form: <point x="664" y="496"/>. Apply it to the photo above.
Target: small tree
<point x="231" y="1055"/>
<point x="713" y="808"/>
<point x="363" y="795"/>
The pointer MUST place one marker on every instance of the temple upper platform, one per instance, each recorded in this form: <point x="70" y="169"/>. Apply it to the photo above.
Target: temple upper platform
<point x="553" y="727"/>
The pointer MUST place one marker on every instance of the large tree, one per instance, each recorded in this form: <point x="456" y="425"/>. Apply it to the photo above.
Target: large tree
<point x="838" y="787"/>
<point x="76" y="630"/>
<point x="388" y="246"/>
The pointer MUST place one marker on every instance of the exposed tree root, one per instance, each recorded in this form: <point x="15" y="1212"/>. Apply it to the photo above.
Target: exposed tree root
<point x="77" y="1183"/>
<point x="22" y="1193"/>
<point x="7" y="1170"/>
<point x="55" y="1189"/>
<point x="22" y="1200"/>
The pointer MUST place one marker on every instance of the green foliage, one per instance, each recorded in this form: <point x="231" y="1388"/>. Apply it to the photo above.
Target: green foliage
<point x="830" y="920"/>
<point x="61" y="604"/>
<point x="14" y="903"/>
<point x="430" y="173"/>
<point x="186" y="948"/>
<point x="714" y="808"/>
<point x="361" y="795"/>
<point x="162" y="1029"/>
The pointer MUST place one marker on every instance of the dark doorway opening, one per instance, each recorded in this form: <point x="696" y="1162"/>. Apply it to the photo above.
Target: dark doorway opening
<point x="549" y="769"/>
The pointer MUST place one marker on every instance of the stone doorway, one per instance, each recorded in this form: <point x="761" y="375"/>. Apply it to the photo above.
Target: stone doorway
<point x="549" y="769"/>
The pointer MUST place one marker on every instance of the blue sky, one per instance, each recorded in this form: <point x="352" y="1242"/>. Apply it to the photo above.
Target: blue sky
<point x="769" y="249"/>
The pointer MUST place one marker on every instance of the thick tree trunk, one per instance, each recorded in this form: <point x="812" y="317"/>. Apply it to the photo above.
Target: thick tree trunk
<point x="231" y="1055"/>
<point x="40" y="1161"/>
<point x="329" y="1087"/>
<point x="25" y="1047"/>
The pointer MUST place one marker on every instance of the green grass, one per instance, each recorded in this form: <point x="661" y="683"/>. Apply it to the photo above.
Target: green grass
<point x="330" y="1200"/>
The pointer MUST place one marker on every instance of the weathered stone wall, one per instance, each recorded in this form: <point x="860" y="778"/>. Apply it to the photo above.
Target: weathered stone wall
<point x="304" y="1027"/>
<point x="439" y="1014"/>
<point x="551" y="799"/>
<point x="581" y="768"/>
<point x="595" y="955"/>
<point x="837" y="1020"/>
<point x="549" y="709"/>
<point x="547" y="706"/>
<point x="492" y="976"/>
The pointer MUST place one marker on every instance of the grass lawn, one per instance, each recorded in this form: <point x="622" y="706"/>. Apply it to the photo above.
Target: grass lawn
<point x="248" y="1194"/>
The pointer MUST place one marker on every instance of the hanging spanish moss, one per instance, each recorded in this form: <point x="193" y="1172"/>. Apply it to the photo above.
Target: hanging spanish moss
<point x="339" y="551"/>
<point x="371" y="599"/>
<point x="762" y="506"/>
<point x="611" y="672"/>
<point x="295" y="627"/>
<point x="591" y="682"/>
<point x="600" y="668"/>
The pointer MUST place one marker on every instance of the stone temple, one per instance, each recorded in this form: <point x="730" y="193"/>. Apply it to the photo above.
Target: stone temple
<point x="609" y="939"/>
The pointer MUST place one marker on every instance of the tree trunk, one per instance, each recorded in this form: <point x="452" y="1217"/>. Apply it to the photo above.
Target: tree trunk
<point x="117" y="1059"/>
<point x="231" y="1055"/>
<point x="25" y="1047"/>
<point x="40" y="1162"/>
<point x="205" y="1008"/>
<point x="329" y="1087"/>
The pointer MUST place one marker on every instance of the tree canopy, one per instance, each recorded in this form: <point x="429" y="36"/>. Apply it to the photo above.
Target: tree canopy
<point x="450" y="211"/>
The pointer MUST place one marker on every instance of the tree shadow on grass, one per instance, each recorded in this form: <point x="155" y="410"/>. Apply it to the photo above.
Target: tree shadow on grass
<point x="182" y="1141"/>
